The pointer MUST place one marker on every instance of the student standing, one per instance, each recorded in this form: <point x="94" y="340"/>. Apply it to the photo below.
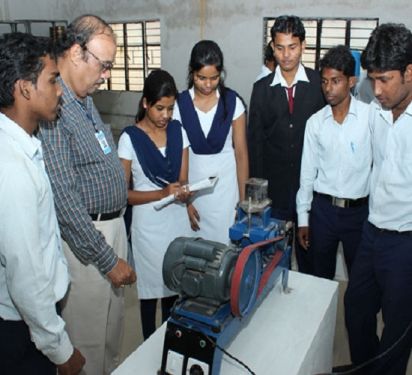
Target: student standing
<point x="381" y="277"/>
<point x="155" y="156"/>
<point x="33" y="270"/>
<point x="213" y="117"/>
<point x="269" y="62"/>
<point x="280" y="105"/>
<point x="332" y="202"/>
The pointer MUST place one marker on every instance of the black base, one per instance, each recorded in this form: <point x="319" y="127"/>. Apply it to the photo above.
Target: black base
<point x="191" y="344"/>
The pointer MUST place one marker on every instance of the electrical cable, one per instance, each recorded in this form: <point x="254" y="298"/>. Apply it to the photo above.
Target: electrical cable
<point x="229" y="355"/>
<point x="379" y="356"/>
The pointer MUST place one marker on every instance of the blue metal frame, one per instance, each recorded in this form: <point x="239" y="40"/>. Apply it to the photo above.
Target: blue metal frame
<point x="223" y="326"/>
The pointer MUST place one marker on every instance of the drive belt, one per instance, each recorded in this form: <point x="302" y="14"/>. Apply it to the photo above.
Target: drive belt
<point x="247" y="255"/>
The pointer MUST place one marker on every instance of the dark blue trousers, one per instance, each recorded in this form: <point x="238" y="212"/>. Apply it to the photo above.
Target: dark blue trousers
<point x="148" y="313"/>
<point x="328" y="225"/>
<point x="381" y="278"/>
<point x="18" y="354"/>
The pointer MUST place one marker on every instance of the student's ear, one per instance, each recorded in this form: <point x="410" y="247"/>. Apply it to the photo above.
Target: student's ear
<point x="352" y="81"/>
<point x="408" y="73"/>
<point x="24" y="88"/>
<point x="303" y="46"/>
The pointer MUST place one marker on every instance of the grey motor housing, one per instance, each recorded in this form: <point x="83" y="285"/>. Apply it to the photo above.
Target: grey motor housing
<point x="195" y="267"/>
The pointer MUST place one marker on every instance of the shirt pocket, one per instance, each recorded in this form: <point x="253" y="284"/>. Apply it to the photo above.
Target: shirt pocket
<point x="398" y="170"/>
<point x="359" y="154"/>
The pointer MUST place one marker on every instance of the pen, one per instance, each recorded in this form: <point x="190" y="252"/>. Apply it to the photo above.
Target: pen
<point x="163" y="180"/>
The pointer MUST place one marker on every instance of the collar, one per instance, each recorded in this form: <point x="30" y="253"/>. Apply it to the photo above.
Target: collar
<point x="29" y="144"/>
<point x="299" y="76"/>
<point x="70" y="97"/>
<point x="386" y="114"/>
<point x="353" y="109"/>
<point x="192" y="92"/>
<point x="408" y="109"/>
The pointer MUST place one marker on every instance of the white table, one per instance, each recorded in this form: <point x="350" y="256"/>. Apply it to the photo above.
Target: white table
<point x="288" y="334"/>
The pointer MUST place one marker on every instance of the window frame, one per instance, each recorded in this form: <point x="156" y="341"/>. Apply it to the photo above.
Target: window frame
<point x="144" y="44"/>
<point x="317" y="47"/>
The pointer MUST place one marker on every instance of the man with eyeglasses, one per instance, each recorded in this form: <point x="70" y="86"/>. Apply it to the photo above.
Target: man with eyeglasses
<point x="90" y="196"/>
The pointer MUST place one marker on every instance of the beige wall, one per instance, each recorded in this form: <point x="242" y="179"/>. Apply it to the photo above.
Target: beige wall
<point x="236" y="25"/>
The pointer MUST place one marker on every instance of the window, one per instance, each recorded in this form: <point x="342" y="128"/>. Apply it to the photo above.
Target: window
<point x="138" y="53"/>
<point x="50" y="28"/>
<point x="11" y="27"/>
<point x="324" y="33"/>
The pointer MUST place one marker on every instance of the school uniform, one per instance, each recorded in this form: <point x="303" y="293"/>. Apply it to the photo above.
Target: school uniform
<point x="334" y="184"/>
<point x="211" y="153"/>
<point x="381" y="277"/>
<point x="275" y="138"/>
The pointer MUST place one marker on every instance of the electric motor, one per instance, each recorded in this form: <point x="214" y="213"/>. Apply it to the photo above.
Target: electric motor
<point x="194" y="267"/>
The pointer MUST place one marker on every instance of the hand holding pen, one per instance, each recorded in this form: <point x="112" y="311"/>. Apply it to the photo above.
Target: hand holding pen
<point x="180" y="192"/>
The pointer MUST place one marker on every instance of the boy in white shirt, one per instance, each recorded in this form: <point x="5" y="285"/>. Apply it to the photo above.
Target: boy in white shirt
<point x="332" y="202"/>
<point x="33" y="270"/>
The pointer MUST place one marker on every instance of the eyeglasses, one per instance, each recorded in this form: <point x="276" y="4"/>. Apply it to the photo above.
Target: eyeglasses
<point x="104" y="65"/>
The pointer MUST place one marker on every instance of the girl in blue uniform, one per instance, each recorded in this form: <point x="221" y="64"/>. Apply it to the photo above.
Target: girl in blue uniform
<point x="213" y="117"/>
<point x="154" y="154"/>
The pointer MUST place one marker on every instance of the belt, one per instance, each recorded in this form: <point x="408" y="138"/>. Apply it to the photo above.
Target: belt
<point x="390" y="231"/>
<point x="343" y="202"/>
<point x="106" y="216"/>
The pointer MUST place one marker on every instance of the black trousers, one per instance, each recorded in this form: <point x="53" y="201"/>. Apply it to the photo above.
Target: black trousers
<point x="381" y="278"/>
<point x="329" y="225"/>
<point x="148" y="313"/>
<point x="18" y="354"/>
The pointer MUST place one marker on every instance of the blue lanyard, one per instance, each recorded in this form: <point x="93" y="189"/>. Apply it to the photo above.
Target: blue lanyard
<point x="88" y="115"/>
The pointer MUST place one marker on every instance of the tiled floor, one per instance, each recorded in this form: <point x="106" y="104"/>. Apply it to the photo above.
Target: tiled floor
<point x="133" y="336"/>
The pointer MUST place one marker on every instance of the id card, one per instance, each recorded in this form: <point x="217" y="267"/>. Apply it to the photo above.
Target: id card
<point x="101" y="138"/>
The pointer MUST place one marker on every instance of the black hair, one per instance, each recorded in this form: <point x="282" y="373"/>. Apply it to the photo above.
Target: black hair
<point x="268" y="53"/>
<point x="339" y="58"/>
<point x="157" y="85"/>
<point x="20" y="58"/>
<point x="288" y="25"/>
<point x="204" y="53"/>
<point x="80" y="31"/>
<point x="389" y="48"/>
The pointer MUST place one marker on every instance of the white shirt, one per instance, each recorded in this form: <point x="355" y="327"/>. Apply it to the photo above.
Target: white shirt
<point x="300" y="75"/>
<point x="207" y="117"/>
<point x="363" y="90"/>
<point x="336" y="158"/>
<point x="33" y="270"/>
<point x="390" y="203"/>
<point x="217" y="207"/>
<point x="264" y="71"/>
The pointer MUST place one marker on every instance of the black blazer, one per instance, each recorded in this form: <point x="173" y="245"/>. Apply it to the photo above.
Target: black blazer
<point x="275" y="137"/>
